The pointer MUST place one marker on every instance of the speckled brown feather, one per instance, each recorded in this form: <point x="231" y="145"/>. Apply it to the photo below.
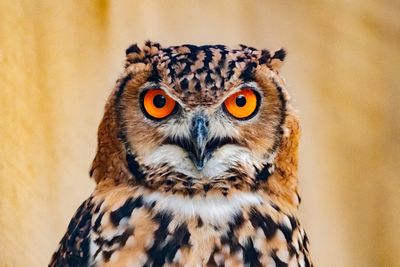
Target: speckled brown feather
<point x="141" y="214"/>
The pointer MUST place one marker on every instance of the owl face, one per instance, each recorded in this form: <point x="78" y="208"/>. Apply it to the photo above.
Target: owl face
<point x="204" y="114"/>
<point x="200" y="140"/>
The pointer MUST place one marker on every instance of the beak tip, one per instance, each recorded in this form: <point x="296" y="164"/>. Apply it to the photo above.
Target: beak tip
<point x="199" y="166"/>
<point x="198" y="163"/>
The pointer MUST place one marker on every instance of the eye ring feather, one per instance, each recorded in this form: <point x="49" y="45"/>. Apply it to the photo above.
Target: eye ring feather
<point x="242" y="105"/>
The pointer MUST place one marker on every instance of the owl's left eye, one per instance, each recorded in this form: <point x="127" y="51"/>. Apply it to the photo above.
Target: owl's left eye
<point x="243" y="104"/>
<point x="157" y="105"/>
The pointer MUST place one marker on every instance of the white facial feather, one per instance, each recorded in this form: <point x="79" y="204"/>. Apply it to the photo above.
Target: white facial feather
<point x="173" y="155"/>
<point x="226" y="157"/>
<point x="221" y="161"/>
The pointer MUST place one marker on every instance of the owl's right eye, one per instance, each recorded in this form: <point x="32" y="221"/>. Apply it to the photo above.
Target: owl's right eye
<point x="157" y="105"/>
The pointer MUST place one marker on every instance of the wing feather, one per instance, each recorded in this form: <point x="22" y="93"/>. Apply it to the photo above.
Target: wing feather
<point x="74" y="247"/>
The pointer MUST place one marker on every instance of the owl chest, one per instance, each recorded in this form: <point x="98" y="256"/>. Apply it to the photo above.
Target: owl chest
<point x="141" y="233"/>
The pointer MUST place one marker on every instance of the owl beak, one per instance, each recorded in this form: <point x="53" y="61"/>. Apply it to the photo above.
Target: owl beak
<point x="199" y="137"/>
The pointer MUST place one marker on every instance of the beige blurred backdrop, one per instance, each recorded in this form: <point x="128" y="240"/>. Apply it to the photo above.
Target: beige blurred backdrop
<point x="59" y="61"/>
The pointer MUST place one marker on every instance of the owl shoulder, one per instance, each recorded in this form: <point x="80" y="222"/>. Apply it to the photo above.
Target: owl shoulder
<point x="74" y="247"/>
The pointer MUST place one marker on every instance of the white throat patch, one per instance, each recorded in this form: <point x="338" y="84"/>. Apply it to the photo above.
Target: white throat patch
<point x="211" y="209"/>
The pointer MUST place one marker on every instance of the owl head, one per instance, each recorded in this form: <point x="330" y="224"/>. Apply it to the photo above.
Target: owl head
<point x="199" y="119"/>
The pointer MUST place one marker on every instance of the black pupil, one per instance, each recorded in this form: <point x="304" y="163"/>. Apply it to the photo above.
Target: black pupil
<point x="241" y="101"/>
<point x="159" y="101"/>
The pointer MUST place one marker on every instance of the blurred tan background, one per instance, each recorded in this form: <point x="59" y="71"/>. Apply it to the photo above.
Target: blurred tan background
<point x="59" y="61"/>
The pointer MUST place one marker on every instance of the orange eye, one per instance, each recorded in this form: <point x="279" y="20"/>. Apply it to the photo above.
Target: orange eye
<point x="157" y="104"/>
<point x="243" y="104"/>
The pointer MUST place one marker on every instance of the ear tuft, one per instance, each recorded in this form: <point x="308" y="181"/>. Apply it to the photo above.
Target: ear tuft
<point x="265" y="56"/>
<point x="280" y="54"/>
<point x="135" y="54"/>
<point x="277" y="59"/>
<point x="133" y="49"/>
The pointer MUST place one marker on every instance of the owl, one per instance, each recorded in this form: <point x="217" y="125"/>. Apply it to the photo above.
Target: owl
<point x="196" y="165"/>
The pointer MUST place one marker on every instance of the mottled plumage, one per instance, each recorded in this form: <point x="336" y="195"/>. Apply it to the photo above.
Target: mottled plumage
<point x="201" y="186"/>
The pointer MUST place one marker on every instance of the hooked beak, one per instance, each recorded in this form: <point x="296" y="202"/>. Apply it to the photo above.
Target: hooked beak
<point x="199" y="137"/>
<point x="199" y="146"/>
